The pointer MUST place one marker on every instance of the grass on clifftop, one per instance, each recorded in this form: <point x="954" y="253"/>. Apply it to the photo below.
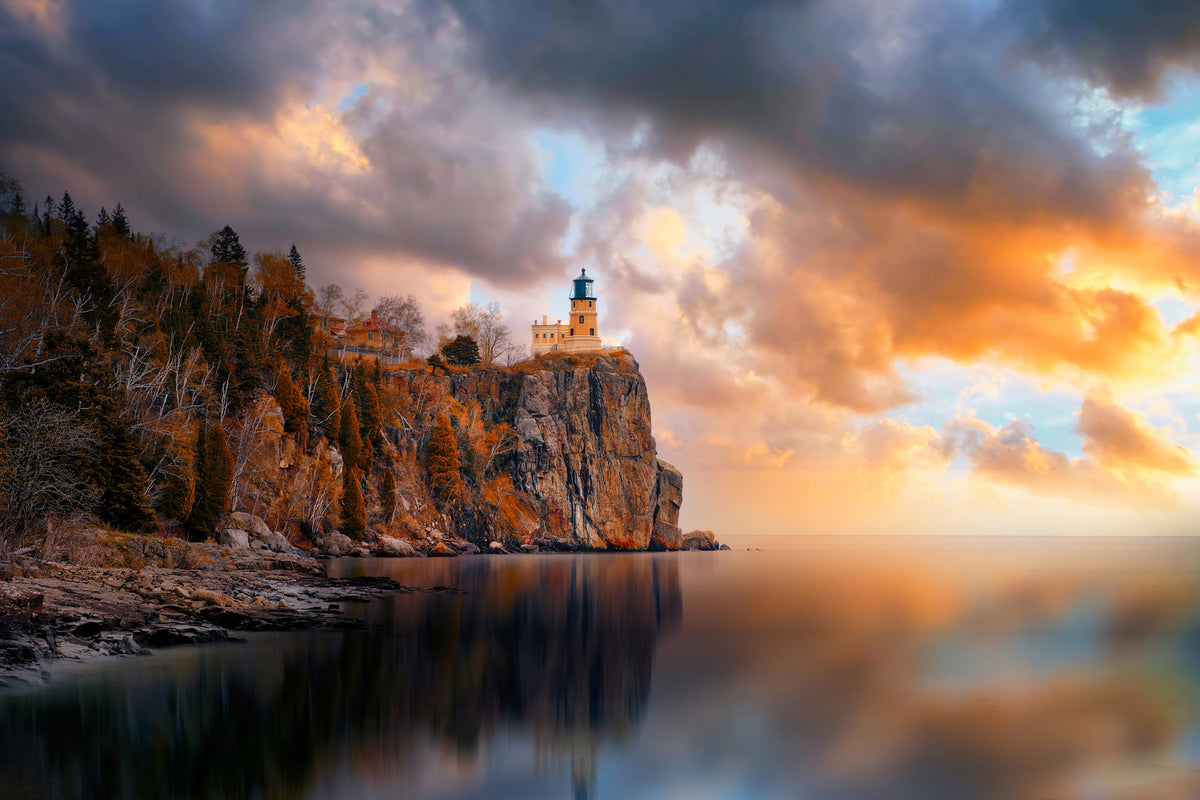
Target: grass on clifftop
<point x="620" y="360"/>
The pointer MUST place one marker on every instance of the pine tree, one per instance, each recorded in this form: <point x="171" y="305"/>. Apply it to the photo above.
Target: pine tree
<point x="296" y="332"/>
<point x="354" y="510"/>
<point x="442" y="462"/>
<point x="226" y="247"/>
<point x="214" y="481"/>
<point x="387" y="495"/>
<point x="326" y="409"/>
<point x="293" y="404"/>
<point x="47" y="215"/>
<point x="297" y="264"/>
<point x="177" y="496"/>
<point x="350" y="438"/>
<point x="119" y="222"/>
<point x="461" y="351"/>
<point x="84" y="270"/>
<point x="250" y="353"/>
<point x="367" y="405"/>
<point x="66" y="208"/>
<point x="123" y="481"/>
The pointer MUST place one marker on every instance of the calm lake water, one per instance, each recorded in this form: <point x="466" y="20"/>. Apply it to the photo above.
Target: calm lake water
<point x="855" y="668"/>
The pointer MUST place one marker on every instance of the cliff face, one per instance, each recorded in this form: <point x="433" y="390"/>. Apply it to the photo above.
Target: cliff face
<point x="587" y="454"/>
<point x="584" y="457"/>
<point x="555" y="452"/>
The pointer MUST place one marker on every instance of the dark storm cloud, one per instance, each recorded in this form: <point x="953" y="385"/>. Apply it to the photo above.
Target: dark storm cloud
<point x="1127" y="46"/>
<point x="179" y="111"/>
<point x="908" y="106"/>
<point x="223" y="55"/>
<point x="110" y="71"/>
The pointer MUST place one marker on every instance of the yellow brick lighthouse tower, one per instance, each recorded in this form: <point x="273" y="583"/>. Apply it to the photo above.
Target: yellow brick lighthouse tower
<point x="582" y="326"/>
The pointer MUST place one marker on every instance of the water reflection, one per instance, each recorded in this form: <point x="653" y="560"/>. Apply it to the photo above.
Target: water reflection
<point x="1007" y="669"/>
<point x="860" y="669"/>
<point x="559" y="648"/>
<point x="562" y="646"/>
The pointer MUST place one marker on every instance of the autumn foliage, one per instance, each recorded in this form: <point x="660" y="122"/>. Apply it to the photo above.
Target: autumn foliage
<point x="153" y="387"/>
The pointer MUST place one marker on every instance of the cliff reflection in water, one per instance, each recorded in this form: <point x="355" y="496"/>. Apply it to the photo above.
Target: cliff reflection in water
<point x="561" y="649"/>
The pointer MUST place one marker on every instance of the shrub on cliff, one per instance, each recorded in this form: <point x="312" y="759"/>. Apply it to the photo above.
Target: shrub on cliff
<point x="442" y="462"/>
<point x="214" y="481"/>
<point x="326" y="409"/>
<point x="350" y="439"/>
<point x="291" y="402"/>
<point x="461" y="351"/>
<point x="354" y="510"/>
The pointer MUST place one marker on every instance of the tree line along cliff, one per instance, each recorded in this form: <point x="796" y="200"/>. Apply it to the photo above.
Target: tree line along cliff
<point x="155" y="389"/>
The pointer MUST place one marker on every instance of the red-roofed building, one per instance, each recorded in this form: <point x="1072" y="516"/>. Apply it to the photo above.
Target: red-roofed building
<point x="373" y="338"/>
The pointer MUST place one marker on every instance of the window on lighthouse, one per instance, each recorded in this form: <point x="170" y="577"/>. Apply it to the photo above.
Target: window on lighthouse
<point x="591" y="331"/>
<point x="581" y="317"/>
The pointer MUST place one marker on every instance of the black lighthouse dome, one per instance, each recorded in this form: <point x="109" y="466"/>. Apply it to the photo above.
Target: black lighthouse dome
<point x="583" y="287"/>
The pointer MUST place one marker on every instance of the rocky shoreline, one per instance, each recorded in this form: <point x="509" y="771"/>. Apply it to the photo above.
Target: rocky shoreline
<point x="105" y="594"/>
<point x="54" y="613"/>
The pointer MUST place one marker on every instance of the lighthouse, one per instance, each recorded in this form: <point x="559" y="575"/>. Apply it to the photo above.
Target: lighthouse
<point x="579" y="332"/>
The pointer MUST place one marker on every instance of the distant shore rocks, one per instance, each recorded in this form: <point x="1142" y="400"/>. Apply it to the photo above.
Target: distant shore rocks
<point x="252" y="524"/>
<point x="395" y="548"/>
<point x="701" y="540"/>
<point x="232" y="537"/>
<point x="249" y="532"/>
<point x="335" y="543"/>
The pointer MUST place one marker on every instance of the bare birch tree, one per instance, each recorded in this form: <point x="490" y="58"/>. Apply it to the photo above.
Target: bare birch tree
<point x="404" y="324"/>
<point x="41" y="481"/>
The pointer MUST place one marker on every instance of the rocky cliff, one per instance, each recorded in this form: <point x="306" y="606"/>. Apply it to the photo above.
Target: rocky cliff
<point x="555" y="452"/>
<point x="583" y="458"/>
<point x="586" y="453"/>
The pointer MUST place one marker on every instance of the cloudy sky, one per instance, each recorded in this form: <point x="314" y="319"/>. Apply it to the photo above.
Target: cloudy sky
<point x="888" y="265"/>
